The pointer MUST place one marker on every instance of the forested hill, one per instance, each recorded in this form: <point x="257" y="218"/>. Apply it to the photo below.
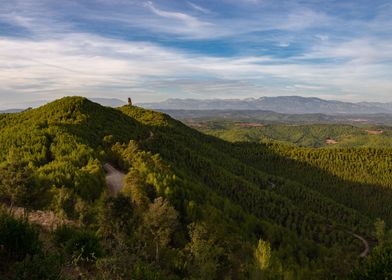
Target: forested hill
<point x="193" y="206"/>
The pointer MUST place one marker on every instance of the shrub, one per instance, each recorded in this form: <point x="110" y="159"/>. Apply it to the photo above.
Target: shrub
<point x="62" y="235"/>
<point x="38" y="267"/>
<point x="84" y="245"/>
<point x="81" y="244"/>
<point x="17" y="237"/>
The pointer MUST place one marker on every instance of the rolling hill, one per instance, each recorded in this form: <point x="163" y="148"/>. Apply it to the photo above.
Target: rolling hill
<point x="192" y="205"/>
<point x="309" y="135"/>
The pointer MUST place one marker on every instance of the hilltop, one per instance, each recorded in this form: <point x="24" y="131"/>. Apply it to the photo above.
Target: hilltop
<point x="109" y="102"/>
<point x="192" y="205"/>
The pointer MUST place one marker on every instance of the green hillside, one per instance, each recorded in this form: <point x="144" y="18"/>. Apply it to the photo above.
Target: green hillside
<point x="193" y="206"/>
<point x="309" y="135"/>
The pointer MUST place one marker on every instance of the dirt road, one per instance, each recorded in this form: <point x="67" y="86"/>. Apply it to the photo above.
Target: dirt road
<point x="114" y="178"/>
<point x="365" y="244"/>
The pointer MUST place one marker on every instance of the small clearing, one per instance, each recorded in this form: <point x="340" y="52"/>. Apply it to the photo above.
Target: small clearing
<point x="374" y="132"/>
<point x="330" y="141"/>
<point x="47" y="219"/>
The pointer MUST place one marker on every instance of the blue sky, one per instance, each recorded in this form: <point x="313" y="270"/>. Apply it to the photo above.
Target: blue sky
<point x="153" y="50"/>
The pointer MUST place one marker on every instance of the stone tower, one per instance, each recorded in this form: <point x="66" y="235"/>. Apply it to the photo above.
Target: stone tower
<point x="129" y="101"/>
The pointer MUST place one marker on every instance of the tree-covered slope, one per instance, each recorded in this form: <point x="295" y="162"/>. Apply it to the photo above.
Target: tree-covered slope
<point x="193" y="206"/>
<point x="310" y="135"/>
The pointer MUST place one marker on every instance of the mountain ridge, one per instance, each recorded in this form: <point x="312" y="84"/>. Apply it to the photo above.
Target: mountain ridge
<point x="279" y="104"/>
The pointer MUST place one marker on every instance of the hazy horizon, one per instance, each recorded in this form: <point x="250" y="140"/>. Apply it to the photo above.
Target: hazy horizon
<point x="37" y="103"/>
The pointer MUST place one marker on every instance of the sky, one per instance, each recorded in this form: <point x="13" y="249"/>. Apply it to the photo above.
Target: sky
<point x="154" y="50"/>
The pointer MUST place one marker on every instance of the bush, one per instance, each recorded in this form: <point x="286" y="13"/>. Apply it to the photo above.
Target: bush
<point x="81" y="244"/>
<point x="84" y="245"/>
<point x="62" y="235"/>
<point x="17" y="237"/>
<point x="38" y="267"/>
<point x="115" y="214"/>
<point x="378" y="265"/>
<point x="145" y="271"/>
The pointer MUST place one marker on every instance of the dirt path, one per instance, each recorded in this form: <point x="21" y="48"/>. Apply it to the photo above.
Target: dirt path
<point x="114" y="178"/>
<point x="151" y="136"/>
<point x="365" y="244"/>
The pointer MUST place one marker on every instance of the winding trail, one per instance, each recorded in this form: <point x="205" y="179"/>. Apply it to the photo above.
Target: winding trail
<point x="365" y="244"/>
<point x="150" y="136"/>
<point x="114" y="178"/>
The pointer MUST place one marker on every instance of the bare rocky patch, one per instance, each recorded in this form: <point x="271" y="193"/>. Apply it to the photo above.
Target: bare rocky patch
<point x="330" y="141"/>
<point x="374" y="132"/>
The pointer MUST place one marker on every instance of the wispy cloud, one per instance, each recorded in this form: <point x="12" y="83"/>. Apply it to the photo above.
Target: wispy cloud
<point x="181" y="22"/>
<point x="154" y="50"/>
<point x="93" y="65"/>
<point x="173" y="15"/>
<point x="198" y="8"/>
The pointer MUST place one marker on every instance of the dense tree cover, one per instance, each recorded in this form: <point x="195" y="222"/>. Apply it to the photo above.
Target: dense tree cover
<point x="357" y="177"/>
<point x="310" y="135"/>
<point x="379" y="264"/>
<point x="192" y="206"/>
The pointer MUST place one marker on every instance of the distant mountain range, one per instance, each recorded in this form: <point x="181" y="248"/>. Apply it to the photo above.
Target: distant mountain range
<point x="109" y="102"/>
<point x="192" y="117"/>
<point x="280" y="104"/>
<point x="10" y="111"/>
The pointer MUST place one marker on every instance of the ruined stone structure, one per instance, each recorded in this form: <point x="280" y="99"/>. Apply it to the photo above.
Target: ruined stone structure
<point x="129" y="101"/>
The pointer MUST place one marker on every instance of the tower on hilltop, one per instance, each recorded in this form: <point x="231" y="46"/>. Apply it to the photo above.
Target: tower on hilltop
<point x="129" y="101"/>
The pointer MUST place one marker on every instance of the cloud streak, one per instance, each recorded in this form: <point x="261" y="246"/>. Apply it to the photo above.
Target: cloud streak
<point x="94" y="65"/>
<point x="198" y="8"/>
<point x="155" y="50"/>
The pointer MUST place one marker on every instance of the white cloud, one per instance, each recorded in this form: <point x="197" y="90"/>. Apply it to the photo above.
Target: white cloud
<point x="172" y="15"/>
<point x="198" y="8"/>
<point x="322" y="37"/>
<point x="58" y="60"/>
<point x="309" y="87"/>
<point x="39" y="19"/>
<point x="284" y="44"/>
<point x="181" y="22"/>
<point x="85" y="64"/>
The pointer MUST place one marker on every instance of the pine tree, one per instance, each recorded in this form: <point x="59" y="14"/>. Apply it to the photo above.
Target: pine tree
<point x="262" y="256"/>
<point x="160" y="221"/>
